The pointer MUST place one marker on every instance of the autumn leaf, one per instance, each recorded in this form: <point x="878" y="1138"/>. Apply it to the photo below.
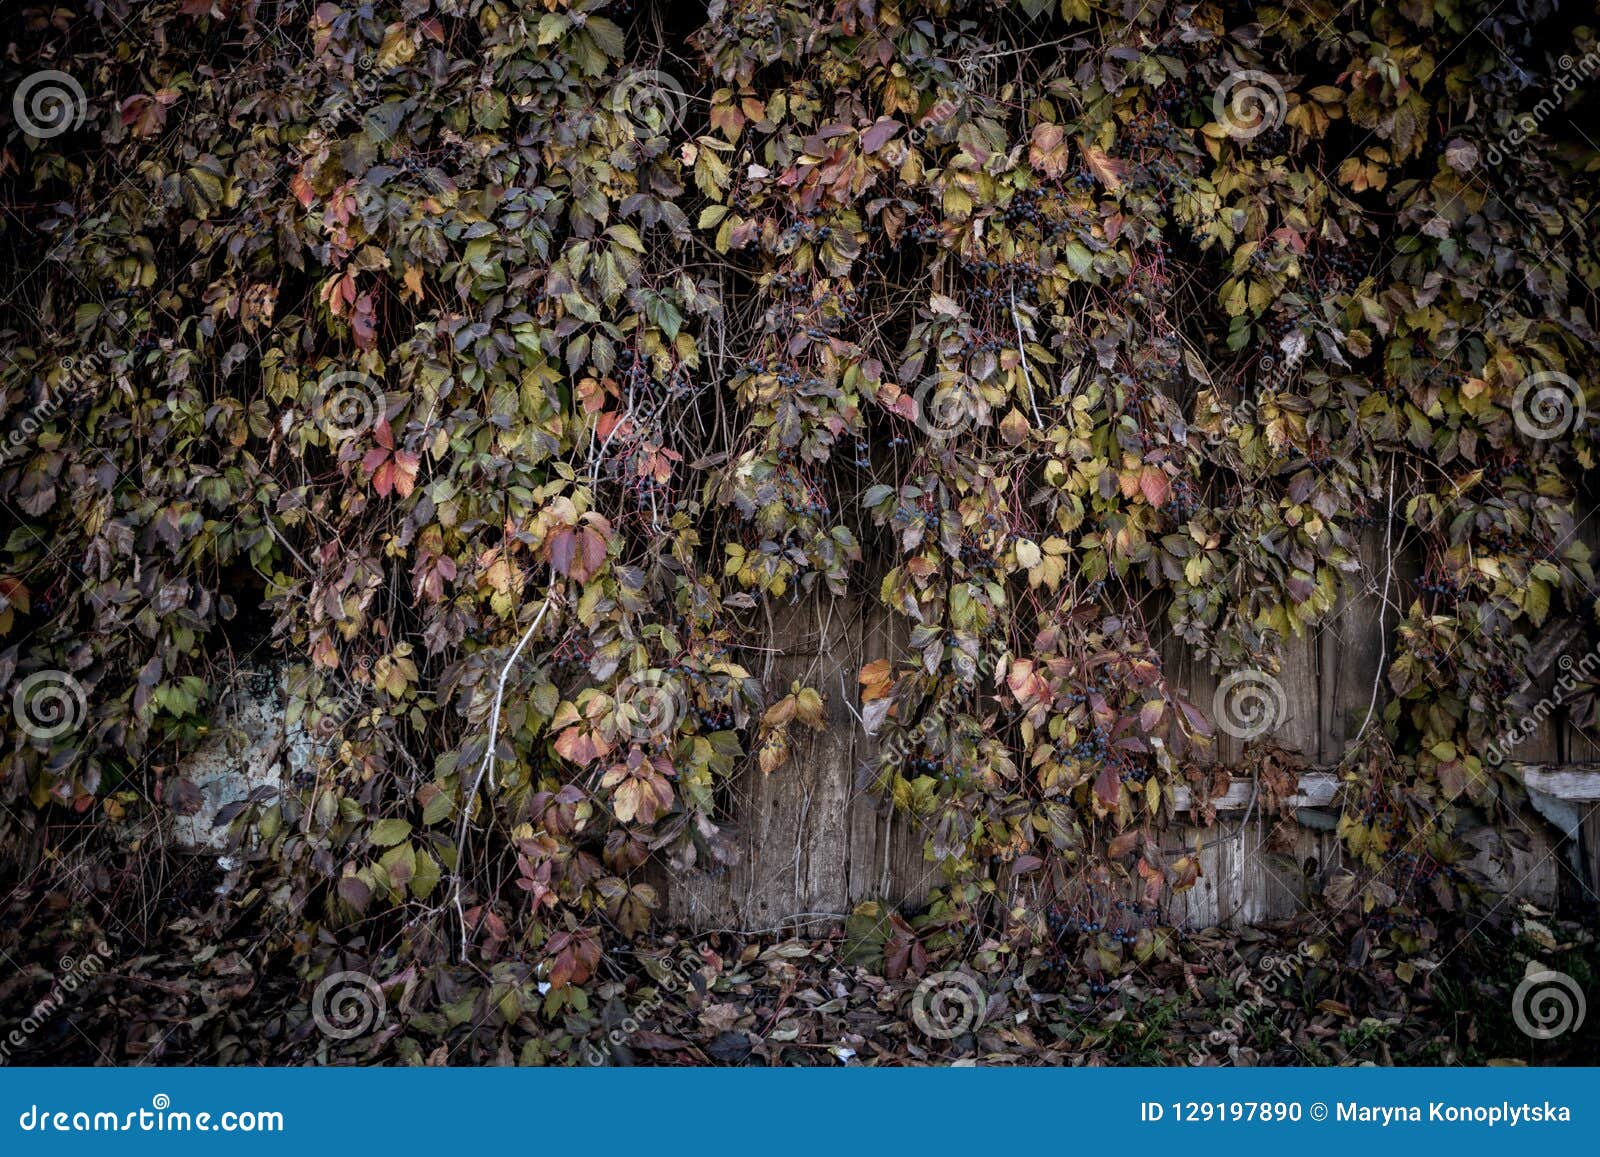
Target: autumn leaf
<point x="1102" y="166"/>
<point x="1047" y="151"/>
<point x="1107" y="790"/>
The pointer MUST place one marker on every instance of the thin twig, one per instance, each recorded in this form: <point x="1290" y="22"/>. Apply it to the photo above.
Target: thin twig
<point x="486" y="768"/>
<point x="1383" y="638"/>
<point x="1022" y="349"/>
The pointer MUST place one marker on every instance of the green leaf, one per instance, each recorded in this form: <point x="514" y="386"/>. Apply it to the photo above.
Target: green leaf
<point x="387" y="833"/>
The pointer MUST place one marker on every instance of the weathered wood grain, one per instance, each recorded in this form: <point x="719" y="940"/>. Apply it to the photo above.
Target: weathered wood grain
<point x="814" y="840"/>
<point x="1351" y="649"/>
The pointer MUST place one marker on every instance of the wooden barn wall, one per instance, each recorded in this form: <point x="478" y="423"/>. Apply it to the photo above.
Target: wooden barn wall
<point x="813" y="841"/>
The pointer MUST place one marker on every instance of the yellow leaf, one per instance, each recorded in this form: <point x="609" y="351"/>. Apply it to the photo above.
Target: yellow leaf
<point x="808" y="707"/>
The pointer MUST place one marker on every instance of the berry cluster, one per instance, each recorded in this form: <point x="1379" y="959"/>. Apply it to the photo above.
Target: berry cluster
<point x="923" y="228"/>
<point x="1501" y="681"/>
<point x="906" y="515"/>
<point x="1022" y="275"/>
<point x="1094" y="748"/>
<point x="1023" y="209"/>
<point x="1424" y="868"/>
<point x="1175" y="97"/>
<point x="715" y="718"/>
<point x="1441" y="585"/>
<point x="1183" y="499"/>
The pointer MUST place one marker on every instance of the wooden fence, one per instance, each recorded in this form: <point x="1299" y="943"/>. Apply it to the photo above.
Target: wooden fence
<point x="814" y="841"/>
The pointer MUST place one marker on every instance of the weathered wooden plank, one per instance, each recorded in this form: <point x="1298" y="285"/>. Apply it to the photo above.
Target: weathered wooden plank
<point x="1242" y="881"/>
<point x="1574" y="782"/>
<point x="1590" y="829"/>
<point x="1579" y="743"/>
<point x="791" y="827"/>
<point x="1549" y="660"/>
<point x="1579" y="782"/>
<point x="1194" y="678"/>
<point x="886" y="853"/>
<point x="1317" y="789"/>
<point x="1352" y="648"/>
<point x="1300" y="678"/>
<point x="814" y="840"/>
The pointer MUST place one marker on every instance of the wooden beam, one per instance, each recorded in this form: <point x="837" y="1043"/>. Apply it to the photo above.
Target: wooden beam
<point x="1317" y="789"/>
<point x="1573" y="782"/>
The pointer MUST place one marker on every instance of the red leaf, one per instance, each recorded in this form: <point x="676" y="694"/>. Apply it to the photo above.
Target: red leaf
<point x="1107" y="790"/>
<point x="1109" y="171"/>
<point x="404" y="468"/>
<point x="1154" y="485"/>
<point x="593" y="554"/>
<point x="577" y="745"/>
<point x="364" y="324"/>
<point x="563" y="544"/>
<point x="879" y="134"/>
